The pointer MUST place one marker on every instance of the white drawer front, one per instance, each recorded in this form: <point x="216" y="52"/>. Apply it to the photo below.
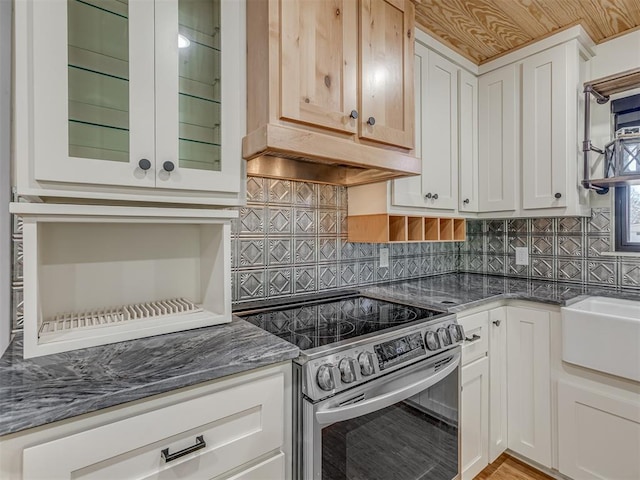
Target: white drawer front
<point x="476" y="332"/>
<point x="238" y="424"/>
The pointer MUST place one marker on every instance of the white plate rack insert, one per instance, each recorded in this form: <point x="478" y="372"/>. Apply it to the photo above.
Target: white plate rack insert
<point x="51" y="329"/>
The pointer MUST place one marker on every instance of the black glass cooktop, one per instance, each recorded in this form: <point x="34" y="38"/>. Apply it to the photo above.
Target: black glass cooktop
<point x="312" y="325"/>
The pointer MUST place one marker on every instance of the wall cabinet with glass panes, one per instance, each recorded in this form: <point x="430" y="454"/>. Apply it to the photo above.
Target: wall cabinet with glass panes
<point x="130" y="100"/>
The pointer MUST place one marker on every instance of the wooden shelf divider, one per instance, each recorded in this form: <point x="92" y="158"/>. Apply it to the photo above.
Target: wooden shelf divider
<point x="386" y="228"/>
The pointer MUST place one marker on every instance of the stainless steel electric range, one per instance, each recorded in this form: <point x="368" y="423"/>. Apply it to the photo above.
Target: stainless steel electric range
<point x="377" y="387"/>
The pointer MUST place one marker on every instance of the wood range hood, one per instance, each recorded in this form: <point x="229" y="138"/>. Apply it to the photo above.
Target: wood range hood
<point x="276" y="151"/>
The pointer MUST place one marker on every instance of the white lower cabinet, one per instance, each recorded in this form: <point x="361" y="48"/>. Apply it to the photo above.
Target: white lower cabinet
<point x="598" y="434"/>
<point x="529" y="384"/>
<point x="236" y="428"/>
<point x="475" y="417"/>
<point x="497" y="382"/>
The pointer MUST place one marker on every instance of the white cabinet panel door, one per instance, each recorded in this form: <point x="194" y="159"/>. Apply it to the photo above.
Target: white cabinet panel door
<point x="545" y="127"/>
<point x="498" y="129"/>
<point x="599" y="434"/>
<point x="468" y="141"/>
<point x="529" y="380"/>
<point x="497" y="382"/>
<point x="440" y="144"/>
<point x="474" y="418"/>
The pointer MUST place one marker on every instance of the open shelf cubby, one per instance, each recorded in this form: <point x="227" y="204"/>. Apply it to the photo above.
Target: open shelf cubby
<point x="385" y="228"/>
<point x="97" y="275"/>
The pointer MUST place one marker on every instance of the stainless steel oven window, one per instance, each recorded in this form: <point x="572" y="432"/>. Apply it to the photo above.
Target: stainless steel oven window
<point x="401" y="426"/>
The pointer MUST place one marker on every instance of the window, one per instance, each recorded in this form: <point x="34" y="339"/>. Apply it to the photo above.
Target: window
<point x="627" y="219"/>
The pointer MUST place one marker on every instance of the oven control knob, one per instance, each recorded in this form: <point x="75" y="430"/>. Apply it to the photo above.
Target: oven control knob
<point x="366" y="361"/>
<point x="445" y="339"/>
<point x="347" y="368"/>
<point x="454" y="333"/>
<point x="325" y="378"/>
<point x="431" y="339"/>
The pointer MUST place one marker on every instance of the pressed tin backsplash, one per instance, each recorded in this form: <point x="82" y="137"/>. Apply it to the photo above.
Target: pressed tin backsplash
<point x="290" y="239"/>
<point x="568" y="249"/>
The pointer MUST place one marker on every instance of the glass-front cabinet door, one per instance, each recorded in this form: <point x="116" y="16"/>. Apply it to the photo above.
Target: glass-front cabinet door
<point x="137" y="93"/>
<point x="192" y="79"/>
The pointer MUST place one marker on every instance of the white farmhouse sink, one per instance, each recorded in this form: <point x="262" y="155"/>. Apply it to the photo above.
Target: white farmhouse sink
<point x="603" y="334"/>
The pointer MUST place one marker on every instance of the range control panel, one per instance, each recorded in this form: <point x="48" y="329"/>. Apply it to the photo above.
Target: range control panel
<point x="350" y="365"/>
<point x="399" y="350"/>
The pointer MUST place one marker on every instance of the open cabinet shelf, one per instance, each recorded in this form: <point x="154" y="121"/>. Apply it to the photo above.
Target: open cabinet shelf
<point x="96" y="275"/>
<point x="385" y="228"/>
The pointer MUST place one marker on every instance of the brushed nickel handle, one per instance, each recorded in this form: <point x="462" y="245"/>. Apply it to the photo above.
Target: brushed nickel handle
<point x="474" y="338"/>
<point x="371" y="121"/>
<point x="353" y="114"/>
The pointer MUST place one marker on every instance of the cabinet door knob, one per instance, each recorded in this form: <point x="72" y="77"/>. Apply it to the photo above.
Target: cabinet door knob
<point x="428" y="195"/>
<point x="144" y="164"/>
<point x="497" y="323"/>
<point x="371" y="121"/>
<point x="168" y="166"/>
<point x="558" y="195"/>
<point x="435" y="196"/>
<point x="353" y="114"/>
<point x="465" y="201"/>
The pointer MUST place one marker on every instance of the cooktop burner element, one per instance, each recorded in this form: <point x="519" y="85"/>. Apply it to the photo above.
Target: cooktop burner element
<point x="310" y="326"/>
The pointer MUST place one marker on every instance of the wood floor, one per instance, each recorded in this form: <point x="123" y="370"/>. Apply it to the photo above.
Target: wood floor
<point x="508" y="468"/>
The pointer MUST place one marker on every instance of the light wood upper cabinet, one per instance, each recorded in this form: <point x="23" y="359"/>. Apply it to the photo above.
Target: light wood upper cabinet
<point x="330" y="82"/>
<point x="386" y="71"/>
<point x="318" y="68"/>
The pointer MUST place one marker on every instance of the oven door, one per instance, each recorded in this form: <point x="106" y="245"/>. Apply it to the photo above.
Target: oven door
<point x="402" y="426"/>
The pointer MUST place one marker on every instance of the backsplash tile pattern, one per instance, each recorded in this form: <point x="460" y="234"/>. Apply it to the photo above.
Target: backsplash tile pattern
<point x="291" y="239"/>
<point x="563" y="249"/>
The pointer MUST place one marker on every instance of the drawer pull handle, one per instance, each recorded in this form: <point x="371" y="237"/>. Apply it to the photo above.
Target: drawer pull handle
<point x="169" y="457"/>
<point x="474" y="338"/>
<point x="497" y="323"/>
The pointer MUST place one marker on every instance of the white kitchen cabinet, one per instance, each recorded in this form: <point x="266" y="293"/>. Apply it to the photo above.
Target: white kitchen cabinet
<point x="551" y="85"/>
<point x="109" y="106"/>
<point x="436" y="126"/>
<point x="467" y="141"/>
<point x="498" y="129"/>
<point x="440" y="134"/>
<point x="498" y="427"/>
<point x="529" y="383"/>
<point x="598" y="433"/>
<point x="475" y="417"/>
<point x="242" y="421"/>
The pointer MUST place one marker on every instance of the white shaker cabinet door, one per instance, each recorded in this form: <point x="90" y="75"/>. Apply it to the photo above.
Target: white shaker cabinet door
<point x="468" y="141"/>
<point x="498" y="129"/>
<point x="474" y="418"/>
<point x="529" y="380"/>
<point x="497" y="382"/>
<point x="598" y="433"/>
<point x="440" y="135"/>
<point x="545" y="128"/>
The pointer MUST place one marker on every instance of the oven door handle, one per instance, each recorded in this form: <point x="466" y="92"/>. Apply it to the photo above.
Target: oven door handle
<point x="386" y="399"/>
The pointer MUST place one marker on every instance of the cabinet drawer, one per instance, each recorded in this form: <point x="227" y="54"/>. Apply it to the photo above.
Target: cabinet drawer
<point x="476" y="330"/>
<point x="237" y="424"/>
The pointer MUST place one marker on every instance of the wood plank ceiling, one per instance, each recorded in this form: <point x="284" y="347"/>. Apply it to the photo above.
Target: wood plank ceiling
<point x="482" y="30"/>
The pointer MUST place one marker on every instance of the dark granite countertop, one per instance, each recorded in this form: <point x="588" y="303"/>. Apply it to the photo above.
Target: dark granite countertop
<point x="456" y="292"/>
<point x="45" y="389"/>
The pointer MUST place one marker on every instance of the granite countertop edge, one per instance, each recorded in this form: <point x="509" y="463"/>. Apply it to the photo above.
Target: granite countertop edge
<point x="43" y="390"/>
